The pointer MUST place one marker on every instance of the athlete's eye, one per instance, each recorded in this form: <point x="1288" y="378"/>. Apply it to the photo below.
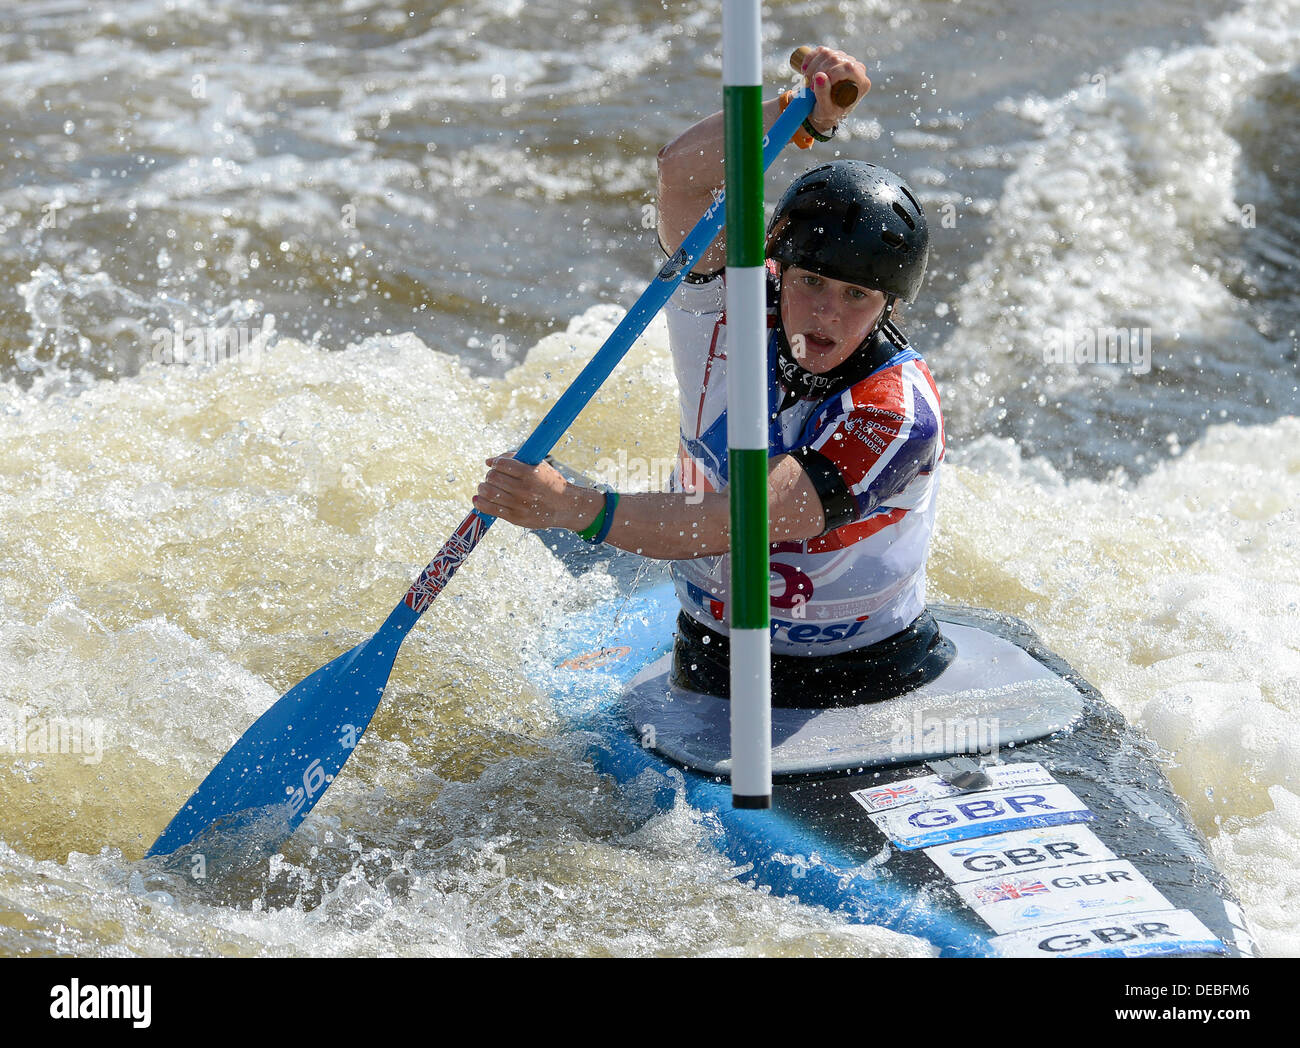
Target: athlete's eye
<point x="812" y="279"/>
<point x="857" y="294"/>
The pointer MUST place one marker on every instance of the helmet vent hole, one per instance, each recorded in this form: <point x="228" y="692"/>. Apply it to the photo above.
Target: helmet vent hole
<point x="915" y="203"/>
<point x="811" y="187"/>
<point x="851" y="217"/>
<point x="901" y="212"/>
<point x="894" y="240"/>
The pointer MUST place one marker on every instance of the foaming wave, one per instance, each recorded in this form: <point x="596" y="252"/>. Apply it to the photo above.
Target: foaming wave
<point x="181" y="547"/>
<point x="1125" y="215"/>
<point x="223" y="531"/>
<point x="1258" y="855"/>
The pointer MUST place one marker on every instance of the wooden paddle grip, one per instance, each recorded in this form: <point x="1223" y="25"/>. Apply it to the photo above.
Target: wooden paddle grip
<point x="843" y="94"/>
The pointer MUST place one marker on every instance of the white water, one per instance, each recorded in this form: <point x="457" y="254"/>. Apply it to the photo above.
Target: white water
<point x="178" y="547"/>
<point x="183" y="546"/>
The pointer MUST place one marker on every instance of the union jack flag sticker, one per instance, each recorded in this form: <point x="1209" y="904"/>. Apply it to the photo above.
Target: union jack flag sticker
<point x="888" y="796"/>
<point x="1005" y="890"/>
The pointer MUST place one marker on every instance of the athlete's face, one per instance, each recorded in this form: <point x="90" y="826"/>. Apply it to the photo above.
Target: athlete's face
<point x="826" y="320"/>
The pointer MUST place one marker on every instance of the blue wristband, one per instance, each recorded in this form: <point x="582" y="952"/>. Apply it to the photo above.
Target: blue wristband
<point x="611" y="503"/>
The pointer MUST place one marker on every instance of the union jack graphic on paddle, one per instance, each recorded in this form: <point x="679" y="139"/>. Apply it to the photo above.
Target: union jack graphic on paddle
<point x="1005" y="890"/>
<point x="440" y="570"/>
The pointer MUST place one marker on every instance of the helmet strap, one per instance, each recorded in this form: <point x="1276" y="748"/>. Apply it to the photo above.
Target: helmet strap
<point x="885" y="314"/>
<point x="881" y="322"/>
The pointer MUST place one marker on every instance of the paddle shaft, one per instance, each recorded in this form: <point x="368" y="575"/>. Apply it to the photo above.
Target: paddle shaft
<point x="562" y="415"/>
<point x="280" y="767"/>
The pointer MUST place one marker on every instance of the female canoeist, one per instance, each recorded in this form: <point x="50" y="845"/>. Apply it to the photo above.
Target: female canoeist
<point x="856" y="434"/>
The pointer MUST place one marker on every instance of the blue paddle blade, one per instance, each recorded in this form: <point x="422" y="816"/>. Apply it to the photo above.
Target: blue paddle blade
<point x="279" y="769"/>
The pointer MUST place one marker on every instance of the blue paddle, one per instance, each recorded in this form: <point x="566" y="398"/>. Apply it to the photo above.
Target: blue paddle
<point x="274" y="775"/>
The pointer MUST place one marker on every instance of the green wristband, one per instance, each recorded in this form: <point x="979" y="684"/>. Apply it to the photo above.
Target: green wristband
<point x="807" y="126"/>
<point x="589" y="533"/>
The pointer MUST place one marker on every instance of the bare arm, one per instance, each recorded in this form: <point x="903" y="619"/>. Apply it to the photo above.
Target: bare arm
<point x="690" y="173"/>
<point x="691" y="165"/>
<point x="665" y="526"/>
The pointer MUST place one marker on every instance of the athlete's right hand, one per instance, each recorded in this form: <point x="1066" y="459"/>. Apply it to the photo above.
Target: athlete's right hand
<point x="535" y="496"/>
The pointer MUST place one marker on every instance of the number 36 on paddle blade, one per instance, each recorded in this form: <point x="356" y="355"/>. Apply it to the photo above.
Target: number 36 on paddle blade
<point x="275" y="773"/>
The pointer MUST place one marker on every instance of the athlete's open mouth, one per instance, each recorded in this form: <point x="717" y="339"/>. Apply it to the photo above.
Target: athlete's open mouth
<point x="816" y="341"/>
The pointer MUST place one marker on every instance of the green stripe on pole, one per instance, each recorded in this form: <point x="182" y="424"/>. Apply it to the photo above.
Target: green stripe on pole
<point x="742" y="107"/>
<point x="749" y="541"/>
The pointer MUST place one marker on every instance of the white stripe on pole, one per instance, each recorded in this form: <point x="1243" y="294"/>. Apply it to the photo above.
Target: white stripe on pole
<point x="747" y="420"/>
<point x="751" y="717"/>
<point x="742" y="42"/>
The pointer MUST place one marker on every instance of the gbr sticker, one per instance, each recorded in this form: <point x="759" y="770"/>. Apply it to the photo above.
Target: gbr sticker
<point x="930" y="787"/>
<point x="1012" y="903"/>
<point x="980" y="815"/>
<point x="1136" y="935"/>
<point x="1021" y="851"/>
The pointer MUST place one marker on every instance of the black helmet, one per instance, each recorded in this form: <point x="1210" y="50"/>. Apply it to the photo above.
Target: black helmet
<point x="855" y="222"/>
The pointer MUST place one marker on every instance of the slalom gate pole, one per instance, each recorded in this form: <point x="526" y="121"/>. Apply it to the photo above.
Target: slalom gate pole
<point x="747" y="410"/>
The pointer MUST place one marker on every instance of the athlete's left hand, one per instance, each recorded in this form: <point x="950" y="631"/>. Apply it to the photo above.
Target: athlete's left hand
<point x="534" y="496"/>
<point x="824" y="67"/>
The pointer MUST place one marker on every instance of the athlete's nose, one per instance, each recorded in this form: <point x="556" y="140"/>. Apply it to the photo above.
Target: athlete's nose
<point x="825" y="313"/>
